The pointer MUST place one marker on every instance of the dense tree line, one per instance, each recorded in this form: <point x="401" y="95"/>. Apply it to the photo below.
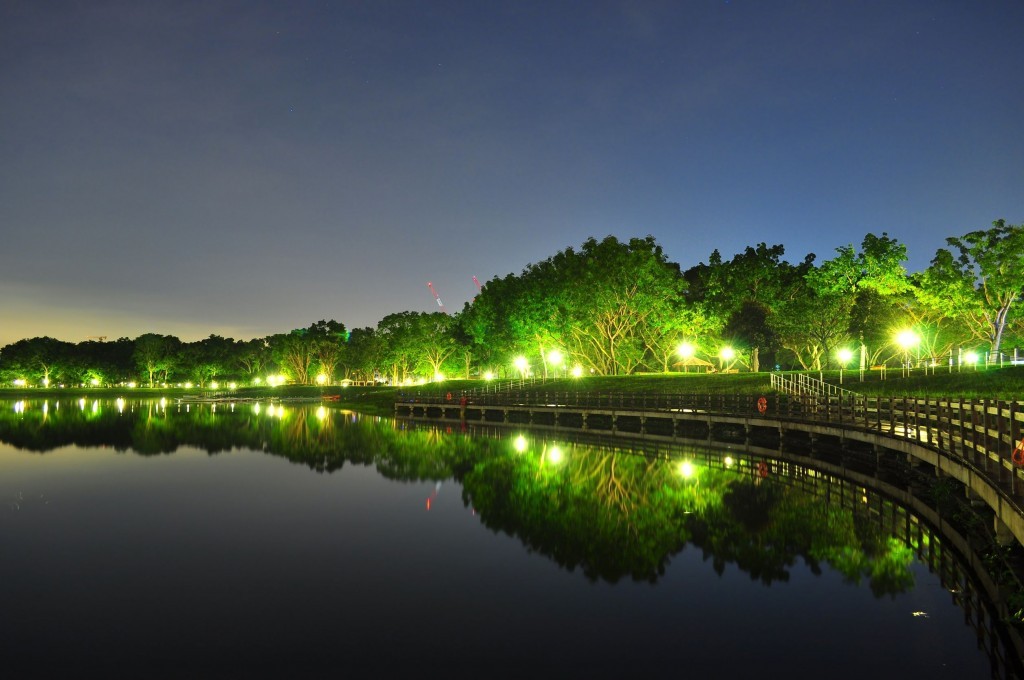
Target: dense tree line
<point x="612" y="308"/>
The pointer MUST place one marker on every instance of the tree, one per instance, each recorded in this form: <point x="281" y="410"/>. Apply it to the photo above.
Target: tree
<point x="867" y="281"/>
<point x="745" y="292"/>
<point x="980" y="282"/>
<point x="293" y="352"/>
<point x="154" y="353"/>
<point x="328" y="340"/>
<point x="252" y="356"/>
<point x="36" y="359"/>
<point x="205" y="359"/>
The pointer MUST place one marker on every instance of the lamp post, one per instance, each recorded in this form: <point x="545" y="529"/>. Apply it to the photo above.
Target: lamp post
<point x="844" y="358"/>
<point x="685" y="352"/>
<point x="555" y="359"/>
<point x="907" y="339"/>
<point x="522" y="365"/>
<point x="726" y="354"/>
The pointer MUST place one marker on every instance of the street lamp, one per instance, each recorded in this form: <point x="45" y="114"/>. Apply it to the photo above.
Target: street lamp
<point x="522" y="365"/>
<point x="726" y="354"/>
<point x="555" y="359"/>
<point x="844" y="358"/>
<point x="907" y="339"/>
<point x="685" y="351"/>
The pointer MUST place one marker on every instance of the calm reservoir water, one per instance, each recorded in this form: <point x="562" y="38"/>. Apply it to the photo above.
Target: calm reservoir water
<point x="149" y="539"/>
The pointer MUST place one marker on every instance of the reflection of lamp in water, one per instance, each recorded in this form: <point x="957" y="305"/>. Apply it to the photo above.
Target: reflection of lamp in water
<point x="686" y="469"/>
<point x="728" y="461"/>
<point x="554" y="455"/>
<point x="321" y="413"/>
<point x="519" y="443"/>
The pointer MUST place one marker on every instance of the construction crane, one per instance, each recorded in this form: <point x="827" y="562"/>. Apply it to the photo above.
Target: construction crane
<point x="101" y="338"/>
<point x="436" y="297"/>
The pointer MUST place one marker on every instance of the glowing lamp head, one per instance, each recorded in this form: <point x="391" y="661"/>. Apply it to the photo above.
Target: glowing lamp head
<point x="727" y="353"/>
<point x="577" y="371"/>
<point x="321" y="379"/>
<point x="845" y="355"/>
<point x="554" y="357"/>
<point x="971" y="357"/>
<point x="488" y="376"/>
<point x="907" y="339"/>
<point x="685" y="350"/>
<point x="686" y="469"/>
<point x="521" y="364"/>
<point x="519" y="443"/>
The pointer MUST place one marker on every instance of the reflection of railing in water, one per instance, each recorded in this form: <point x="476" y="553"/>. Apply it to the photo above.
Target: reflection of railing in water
<point x="975" y="440"/>
<point x="936" y="543"/>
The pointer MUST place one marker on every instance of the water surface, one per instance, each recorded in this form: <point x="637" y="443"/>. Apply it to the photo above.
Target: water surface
<point x="177" y="540"/>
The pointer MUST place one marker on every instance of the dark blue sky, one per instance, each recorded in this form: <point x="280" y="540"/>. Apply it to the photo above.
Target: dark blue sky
<point x="247" y="168"/>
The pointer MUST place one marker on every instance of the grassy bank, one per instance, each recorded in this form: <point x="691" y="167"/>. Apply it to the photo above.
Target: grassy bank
<point x="1006" y="383"/>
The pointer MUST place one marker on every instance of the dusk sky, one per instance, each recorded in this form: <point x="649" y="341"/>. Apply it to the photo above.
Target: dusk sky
<point x="245" y="168"/>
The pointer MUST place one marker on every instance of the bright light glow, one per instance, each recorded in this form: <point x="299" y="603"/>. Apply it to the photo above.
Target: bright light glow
<point x="20" y="382"/>
<point x="971" y="357"/>
<point x="907" y="339"/>
<point x="256" y="408"/>
<point x="256" y="381"/>
<point x="729" y="461"/>
<point x="488" y="376"/>
<point x="188" y="385"/>
<point x="232" y="386"/>
<point x="321" y="413"/>
<point x="19" y="407"/>
<point x="685" y="350"/>
<point x="46" y="382"/>
<point x="727" y="353"/>
<point x="439" y="377"/>
<point x="81" y="404"/>
<point x="555" y="357"/>
<point x="94" y="382"/>
<point x="214" y="385"/>
<point x="844" y="356"/>
<point x="686" y="469"/>
<point x="577" y="371"/>
<point x="321" y="379"/>
<point x="519" y="443"/>
<point x="555" y="455"/>
<point x="131" y="385"/>
<point x="163" y="402"/>
<point x="120" y="405"/>
<point x="521" y="364"/>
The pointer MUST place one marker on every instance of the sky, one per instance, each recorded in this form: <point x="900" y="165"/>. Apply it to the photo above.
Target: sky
<point x="246" y="168"/>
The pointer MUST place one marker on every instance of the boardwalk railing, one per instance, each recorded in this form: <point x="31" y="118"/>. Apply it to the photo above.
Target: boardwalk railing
<point x="985" y="434"/>
<point x="805" y="384"/>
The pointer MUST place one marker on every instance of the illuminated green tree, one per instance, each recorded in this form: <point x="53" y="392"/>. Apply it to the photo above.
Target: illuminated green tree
<point x="36" y="360"/>
<point x="978" y="281"/>
<point x="155" y="354"/>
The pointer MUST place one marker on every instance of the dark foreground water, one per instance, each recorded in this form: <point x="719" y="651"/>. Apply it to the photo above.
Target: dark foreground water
<point x="141" y="540"/>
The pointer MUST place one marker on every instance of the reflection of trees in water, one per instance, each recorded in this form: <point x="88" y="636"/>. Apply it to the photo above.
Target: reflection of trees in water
<point x="765" y="528"/>
<point x="608" y="513"/>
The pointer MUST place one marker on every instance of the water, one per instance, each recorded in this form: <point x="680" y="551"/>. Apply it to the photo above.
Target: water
<point x="149" y="540"/>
